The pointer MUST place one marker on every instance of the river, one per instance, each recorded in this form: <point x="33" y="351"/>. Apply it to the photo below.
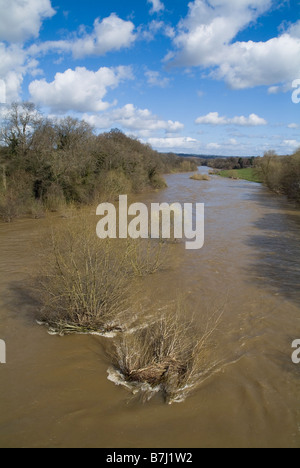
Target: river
<point x="54" y="391"/>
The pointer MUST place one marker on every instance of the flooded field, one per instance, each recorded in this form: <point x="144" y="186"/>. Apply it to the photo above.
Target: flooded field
<point x="54" y="391"/>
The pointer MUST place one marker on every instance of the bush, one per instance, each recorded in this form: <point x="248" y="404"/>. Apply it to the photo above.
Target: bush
<point x="170" y="355"/>
<point x="82" y="286"/>
<point x="145" y="257"/>
<point x="54" y="199"/>
<point x="233" y="175"/>
<point x="86" y="284"/>
<point x="9" y="206"/>
<point x="36" y="209"/>
<point x="158" y="182"/>
<point x="200" y="177"/>
<point x="281" y="174"/>
<point x="114" y="183"/>
<point x="16" y="198"/>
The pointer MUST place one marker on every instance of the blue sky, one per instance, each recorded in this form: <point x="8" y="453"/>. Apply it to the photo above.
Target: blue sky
<point x="204" y="77"/>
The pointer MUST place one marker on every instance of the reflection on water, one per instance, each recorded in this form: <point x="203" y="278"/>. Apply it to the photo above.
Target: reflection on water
<point x="54" y="391"/>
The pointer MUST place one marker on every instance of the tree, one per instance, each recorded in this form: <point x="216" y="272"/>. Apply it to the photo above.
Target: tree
<point x="21" y="122"/>
<point x="241" y="163"/>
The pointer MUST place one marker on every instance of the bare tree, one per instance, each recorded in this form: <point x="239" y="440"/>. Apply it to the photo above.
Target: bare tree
<point x="20" y="124"/>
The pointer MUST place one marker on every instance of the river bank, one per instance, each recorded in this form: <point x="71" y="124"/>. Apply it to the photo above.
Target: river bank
<point x="245" y="174"/>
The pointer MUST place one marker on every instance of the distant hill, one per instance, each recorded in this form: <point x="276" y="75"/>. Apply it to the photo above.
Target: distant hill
<point x="206" y="156"/>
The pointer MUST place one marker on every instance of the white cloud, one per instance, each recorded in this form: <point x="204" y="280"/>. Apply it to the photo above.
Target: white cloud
<point x="149" y="32"/>
<point x="157" y="6"/>
<point x="213" y="146"/>
<point x="292" y="144"/>
<point x="22" y="19"/>
<point x="14" y="64"/>
<point x="205" y="38"/>
<point x="140" y="121"/>
<point x="155" y="79"/>
<point x="170" y="32"/>
<point x="293" y="126"/>
<point x="274" y="90"/>
<point x="79" y="90"/>
<point x="109" y="34"/>
<point x="213" y="118"/>
<point x="173" y="143"/>
<point x="252" y="121"/>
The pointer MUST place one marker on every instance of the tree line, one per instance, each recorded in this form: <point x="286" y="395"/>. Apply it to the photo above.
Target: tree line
<point x="281" y="173"/>
<point x="46" y="164"/>
<point x="230" y="163"/>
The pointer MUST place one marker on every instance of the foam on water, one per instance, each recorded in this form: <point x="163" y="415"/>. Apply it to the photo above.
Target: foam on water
<point x="53" y="332"/>
<point x="118" y="379"/>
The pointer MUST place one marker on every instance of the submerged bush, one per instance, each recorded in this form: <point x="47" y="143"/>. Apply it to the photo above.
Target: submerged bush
<point x="86" y="284"/>
<point x="82" y="287"/>
<point x="171" y="356"/>
<point x="54" y="200"/>
<point x="200" y="177"/>
<point x="9" y="206"/>
<point x="158" y="182"/>
<point x="145" y="256"/>
<point x="15" y="196"/>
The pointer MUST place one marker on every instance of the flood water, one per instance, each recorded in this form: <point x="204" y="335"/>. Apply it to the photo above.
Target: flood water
<point x="54" y="391"/>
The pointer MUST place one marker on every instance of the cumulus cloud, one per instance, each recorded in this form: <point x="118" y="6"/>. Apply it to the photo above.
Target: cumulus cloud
<point x="291" y="144"/>
<point x="14" y="64"/>
<point x="205" y="38"/>
<point x="109" y="34"/>
<point x="19" y="20"/>
<point x="157" y="6"/>
<point x="213" y="118"/>
<point x="170" y="143"/>
<point x="79" y="90"/>
<point x="22" y="19"/>
<point x="293" y="126"/>
<point x="154" y="78"/>
<point x="139" y="121"/>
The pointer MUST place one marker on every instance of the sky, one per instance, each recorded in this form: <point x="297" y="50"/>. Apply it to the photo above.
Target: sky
<point x="214" y="77"/>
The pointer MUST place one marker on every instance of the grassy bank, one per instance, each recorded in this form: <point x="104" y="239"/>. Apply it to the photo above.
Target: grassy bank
<point x="244" y="174"/>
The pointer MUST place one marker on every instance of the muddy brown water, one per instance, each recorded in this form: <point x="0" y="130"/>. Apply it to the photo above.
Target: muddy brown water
<point x="54" y="391"/>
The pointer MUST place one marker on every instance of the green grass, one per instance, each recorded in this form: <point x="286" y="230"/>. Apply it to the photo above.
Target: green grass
<point x="245" y="174"/>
